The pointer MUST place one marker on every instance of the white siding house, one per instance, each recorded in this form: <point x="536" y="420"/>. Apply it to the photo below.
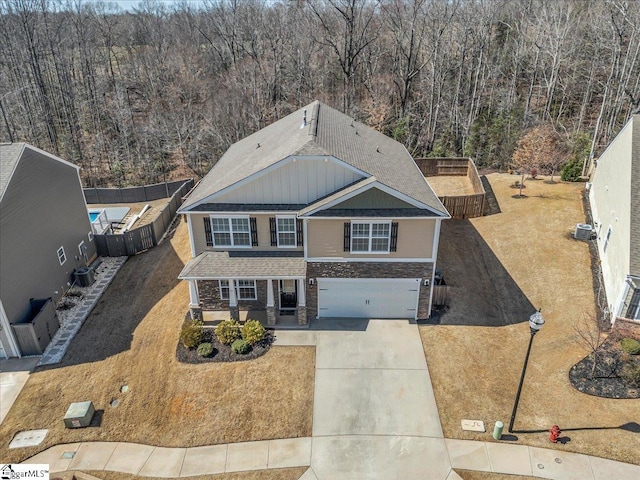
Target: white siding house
<point x="615" y="203"/>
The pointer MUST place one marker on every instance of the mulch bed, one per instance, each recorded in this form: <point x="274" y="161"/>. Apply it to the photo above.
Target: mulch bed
<point x="221" y="352"/>
<point x="606" y="381"/>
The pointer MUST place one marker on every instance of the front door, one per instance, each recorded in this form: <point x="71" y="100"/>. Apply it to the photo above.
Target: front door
<point x="288" y="295"/>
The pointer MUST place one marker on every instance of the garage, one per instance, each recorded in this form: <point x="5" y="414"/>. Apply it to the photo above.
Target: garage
<point x="368" y="297"/>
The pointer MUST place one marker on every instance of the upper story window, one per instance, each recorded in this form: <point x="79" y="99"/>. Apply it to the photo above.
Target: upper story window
<point x="230" y="232"/>
<point x="286" y="229"/>
<point x="62" y="257"/>
<point x="370" y="237"/>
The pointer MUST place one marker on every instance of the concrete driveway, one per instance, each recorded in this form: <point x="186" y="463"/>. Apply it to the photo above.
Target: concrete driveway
<point x="375" y="415"/>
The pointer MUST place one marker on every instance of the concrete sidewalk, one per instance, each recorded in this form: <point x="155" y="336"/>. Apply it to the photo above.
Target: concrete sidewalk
<point x="511" y="459"/>
<point x="148" y="461"/>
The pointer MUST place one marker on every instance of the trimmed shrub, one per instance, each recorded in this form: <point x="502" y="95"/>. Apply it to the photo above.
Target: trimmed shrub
<point x="240" y="346"/>
<point x="191" y="333"/>
<point x="228" y="331"/>
<point x="253" y="332"/>
<point x="205" y="349"/>
<point x="572" y="171"/>
<point x="630" y="375"/>
<point x="630" y="346"/>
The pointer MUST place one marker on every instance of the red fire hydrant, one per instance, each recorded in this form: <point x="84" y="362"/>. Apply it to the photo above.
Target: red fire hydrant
<point x="554" y="433"/>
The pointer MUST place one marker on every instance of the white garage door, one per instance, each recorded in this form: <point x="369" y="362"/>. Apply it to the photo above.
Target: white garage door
<point x="368" y="298"/>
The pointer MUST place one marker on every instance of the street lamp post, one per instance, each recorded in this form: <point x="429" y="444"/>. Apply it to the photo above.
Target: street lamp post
<point x="535" y="323"/>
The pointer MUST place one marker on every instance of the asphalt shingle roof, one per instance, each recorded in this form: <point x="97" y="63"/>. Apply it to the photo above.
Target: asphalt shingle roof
<point x="245" y="264"/>
<point x="328" y="132"/>
<point x="9" y="156"/>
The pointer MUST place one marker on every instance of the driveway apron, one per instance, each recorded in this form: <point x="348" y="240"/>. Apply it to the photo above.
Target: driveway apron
<point x="375" y="415"/>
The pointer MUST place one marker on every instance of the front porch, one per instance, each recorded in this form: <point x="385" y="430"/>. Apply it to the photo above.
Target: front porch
<point x="266" y="286"/>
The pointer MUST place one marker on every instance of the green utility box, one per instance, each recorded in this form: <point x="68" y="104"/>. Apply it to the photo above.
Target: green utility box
<point x="79" y="415"/>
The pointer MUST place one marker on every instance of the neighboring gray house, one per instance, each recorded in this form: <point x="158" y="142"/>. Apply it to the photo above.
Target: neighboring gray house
<point x="615" y="203"/>
<point x="44" y="234"/>
<point x="314" y="216"/>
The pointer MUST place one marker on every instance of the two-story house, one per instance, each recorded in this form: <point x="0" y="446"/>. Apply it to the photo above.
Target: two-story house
<point x="45" y="234"/>
<point x="317" y="216"/>
<point x="615" y="204"/>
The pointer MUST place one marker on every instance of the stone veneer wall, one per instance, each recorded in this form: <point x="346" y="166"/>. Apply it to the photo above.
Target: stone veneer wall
<point x="209" y="291"/>
<point x="317" y="270"/>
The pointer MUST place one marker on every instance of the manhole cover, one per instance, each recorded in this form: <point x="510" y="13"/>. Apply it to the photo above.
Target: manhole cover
<point x="68" y="455"/>
<point x="114" y="402"/>
<point x="541" y="466"/>
<point x="558" y="460"/>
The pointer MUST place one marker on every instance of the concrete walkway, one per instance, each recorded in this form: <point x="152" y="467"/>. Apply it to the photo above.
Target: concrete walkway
<point x="14" y="373"/>
<point x="375" y="417"/>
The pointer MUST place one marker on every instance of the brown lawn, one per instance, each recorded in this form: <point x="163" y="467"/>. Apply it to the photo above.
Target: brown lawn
<point x="130" y="339"/>
<point x="500" y="267"/>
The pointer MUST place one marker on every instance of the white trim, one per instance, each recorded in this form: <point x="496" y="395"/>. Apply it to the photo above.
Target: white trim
<point x="230" y="231"/>
<point x="434" y="254"/>
<point x="245" y="277"/>
<point x="90" y="236"/>
<point x="83" y="254"/>
<point x="270" y="297"/>
<point x="60" y="257"/>
<point x="295" y="231"/>
<point x="373" y="260"/>
<point x="371" y="218"/>
<point x="191" y="239"/>
<point x="370" y="237"/>
<point x="12" y="350"/>
<point x="305" y="238"/>
<point x="274" y="166"/>
<point x="301" y="293"/>
<point x="194" y="295"/>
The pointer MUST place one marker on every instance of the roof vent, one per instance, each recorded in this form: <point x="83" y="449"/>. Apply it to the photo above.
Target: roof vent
<point x="304" y="118"/>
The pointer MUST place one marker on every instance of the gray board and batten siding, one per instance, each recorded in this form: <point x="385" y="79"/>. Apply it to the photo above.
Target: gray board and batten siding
<point x="42" y="209"/>
<point x="147" y="236"/>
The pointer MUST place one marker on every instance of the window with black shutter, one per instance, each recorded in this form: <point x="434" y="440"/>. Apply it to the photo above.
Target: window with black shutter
<point x="299" y="234"/>
<point x="207" y="231"/>
<point x="347" y="236"/>
<point x="274" y="233"/>
<point x="393" y="247"/>
<point x="254" y="231"/>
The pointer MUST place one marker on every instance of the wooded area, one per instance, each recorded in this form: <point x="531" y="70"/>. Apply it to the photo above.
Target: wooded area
<point x="161" y="92"/>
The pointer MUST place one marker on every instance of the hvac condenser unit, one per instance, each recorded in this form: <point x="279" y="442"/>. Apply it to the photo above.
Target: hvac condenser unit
<point x="583" y="231"/>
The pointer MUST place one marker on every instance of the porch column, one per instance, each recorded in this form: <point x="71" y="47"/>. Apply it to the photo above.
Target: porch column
<point x="234" y="311"/>
<point x="302" y="290"/>
<point x="194" y="301"/>
<point x="271" y="309"/>
<point x="302" y="301"/>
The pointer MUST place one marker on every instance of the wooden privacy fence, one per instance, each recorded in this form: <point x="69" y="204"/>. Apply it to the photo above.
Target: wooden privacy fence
<point x="458" y="206"/>
<point x="144" y="193"/>
<point x="146" y="236"/>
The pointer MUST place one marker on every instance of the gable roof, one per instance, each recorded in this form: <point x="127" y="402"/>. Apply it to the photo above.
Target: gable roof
<point x="10" y="156"/>
<point x="327" y="132"/>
